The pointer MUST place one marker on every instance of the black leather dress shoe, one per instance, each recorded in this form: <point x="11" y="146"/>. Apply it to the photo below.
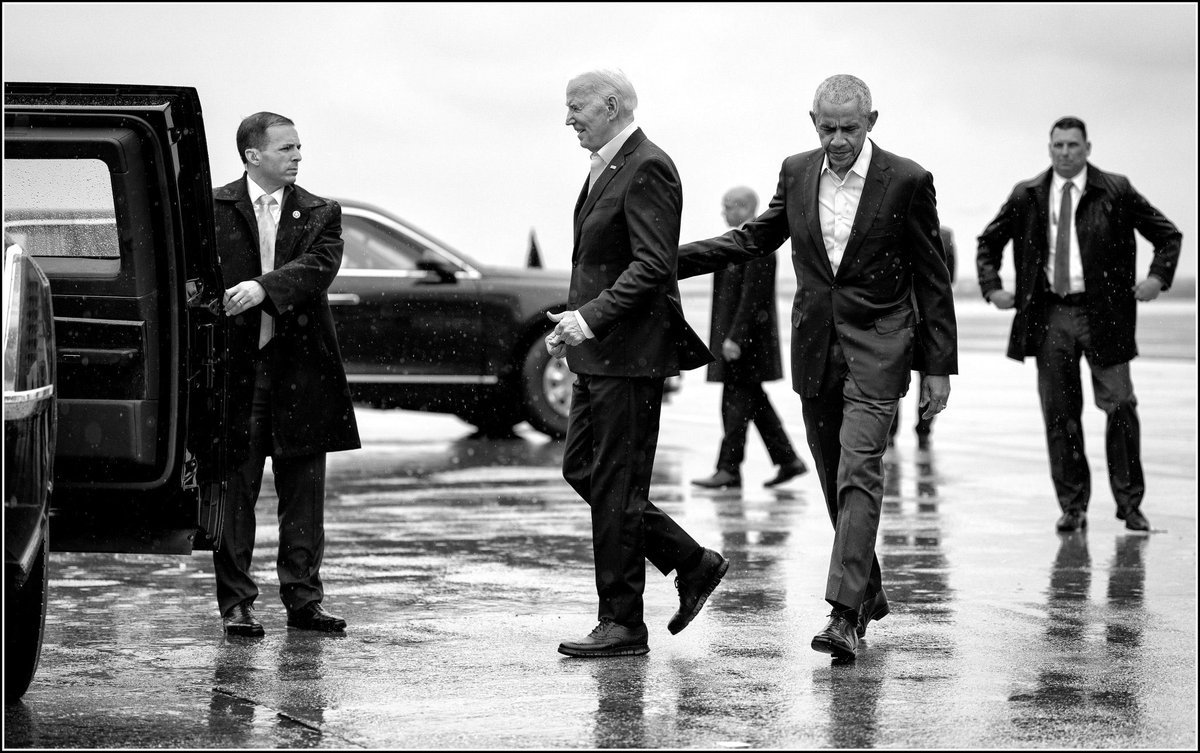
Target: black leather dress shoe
<point x="609" y="639"/>
<point x="871" y="611"/>
<point x="1135" y="521"/>
<point x="1071" y="520"/>
<point x="840" y="635"/>
<point x="720" y="480"/>
<point x="695" y="586"/>
<point x="788" y="472"/>
<point x="239" y="620"/>
<point x="312" y="616"/>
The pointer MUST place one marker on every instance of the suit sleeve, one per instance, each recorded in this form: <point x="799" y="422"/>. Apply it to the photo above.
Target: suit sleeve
<point x="305" y="278"/>
<point x="1162" y="234"/>
<point x="937" y="327"/>
<point x="757" y="238"/>
<point x="993" y="239"/>
<point x="653" y="206"/>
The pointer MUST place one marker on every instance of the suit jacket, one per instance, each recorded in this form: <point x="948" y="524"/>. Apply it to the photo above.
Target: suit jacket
<point x="744" y="311"/>
<point x="891" y="291"/>
<point x="623" y="278"/>
<point x="1108" y="213"/>
<point x="311" y="410"/>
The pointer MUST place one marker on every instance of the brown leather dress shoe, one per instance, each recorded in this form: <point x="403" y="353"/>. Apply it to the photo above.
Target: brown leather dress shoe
<point x="788" y="472"/>
<point x="239" y="620"/>
<point x="839" y="636"/>
<point x="695" y="586"/>
<point x="609" y="639"/>
<point x="720" y="480"/>
<point x="312" y="616"/>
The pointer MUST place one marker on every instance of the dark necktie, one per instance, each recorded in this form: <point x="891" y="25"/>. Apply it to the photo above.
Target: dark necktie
<point x="1062" y="245"/>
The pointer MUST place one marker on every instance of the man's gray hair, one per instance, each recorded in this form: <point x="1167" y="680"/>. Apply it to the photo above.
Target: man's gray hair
<point x="841" y="88"/>
<point x="604" y="83"/>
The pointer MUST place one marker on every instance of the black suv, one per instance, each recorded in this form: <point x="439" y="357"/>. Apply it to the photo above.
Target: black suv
<point x="114" y="381"/>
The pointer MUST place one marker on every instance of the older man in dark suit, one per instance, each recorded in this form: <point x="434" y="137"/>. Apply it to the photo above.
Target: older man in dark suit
<point x="623" y="334"/>
<point x="744" y="331"/>
<point x="1075" y="254"/>
<point x="280" y="249"/>
<point x="871" y="281"/>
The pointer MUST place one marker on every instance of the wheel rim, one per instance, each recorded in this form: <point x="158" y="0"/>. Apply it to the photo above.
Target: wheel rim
<point x="557" y="380"/>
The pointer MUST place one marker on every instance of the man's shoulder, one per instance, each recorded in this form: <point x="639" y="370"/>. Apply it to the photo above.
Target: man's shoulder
<point x="902" y="165"/>
<point x="310" y="200"/>
<point x="796" y="161"/>
<point x="231" y="191"/>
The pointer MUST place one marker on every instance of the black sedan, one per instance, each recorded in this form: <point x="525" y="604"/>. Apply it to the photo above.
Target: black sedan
<point x="424" y="327"/>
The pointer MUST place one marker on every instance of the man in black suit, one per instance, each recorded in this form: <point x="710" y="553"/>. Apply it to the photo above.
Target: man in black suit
<point x="871" y="281"/>
<point x="280" y="249"/>
<point x="1075" y="254"/>
<point x="744" y="330"/>
<point x="622" y="335"/>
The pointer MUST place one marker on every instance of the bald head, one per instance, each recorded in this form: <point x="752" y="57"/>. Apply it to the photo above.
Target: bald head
<point x="739" y="205"/>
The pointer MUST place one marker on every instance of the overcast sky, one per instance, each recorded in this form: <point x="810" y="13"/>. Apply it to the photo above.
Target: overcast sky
<point x="452" y="114"/>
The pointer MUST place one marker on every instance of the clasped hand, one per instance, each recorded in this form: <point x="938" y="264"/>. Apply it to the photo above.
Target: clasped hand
<point x="566" y="332"/>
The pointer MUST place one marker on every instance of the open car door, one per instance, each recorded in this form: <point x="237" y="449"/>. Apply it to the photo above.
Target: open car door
<point x="107" y="188"/>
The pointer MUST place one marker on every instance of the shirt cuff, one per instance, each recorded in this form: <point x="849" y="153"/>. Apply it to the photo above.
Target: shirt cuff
<point x="587" y="331"/>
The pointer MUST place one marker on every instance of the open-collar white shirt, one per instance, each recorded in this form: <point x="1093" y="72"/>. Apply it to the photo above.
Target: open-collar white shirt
<point x="838" y="199"/>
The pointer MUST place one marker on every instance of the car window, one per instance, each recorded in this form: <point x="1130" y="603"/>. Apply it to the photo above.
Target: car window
<point x="369" y="245"/>
<point x="61" y="208"/>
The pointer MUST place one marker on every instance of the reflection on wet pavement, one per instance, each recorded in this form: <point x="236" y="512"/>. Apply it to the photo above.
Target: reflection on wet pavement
<point x="461" y="563"/>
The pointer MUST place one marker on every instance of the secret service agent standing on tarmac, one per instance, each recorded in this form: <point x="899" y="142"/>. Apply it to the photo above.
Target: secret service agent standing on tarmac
<point x="280" y="248"/>
<point x="1075" y="255"/>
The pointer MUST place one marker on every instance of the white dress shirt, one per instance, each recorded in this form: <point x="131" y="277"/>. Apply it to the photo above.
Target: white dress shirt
<point x="255" y="191"/>
<point x="1056" y="186"/>
<point x="838" y="203"/>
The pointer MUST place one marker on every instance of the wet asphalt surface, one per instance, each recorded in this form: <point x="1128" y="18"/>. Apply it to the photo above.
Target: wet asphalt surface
<point x="460" y="563"/>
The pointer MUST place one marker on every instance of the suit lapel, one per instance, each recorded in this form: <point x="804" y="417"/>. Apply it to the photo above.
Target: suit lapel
<point x="589" y="198"/>
<point x="810" y="185"/>
<point x="1041" y="203"/>
<point x="292" y="219"/>
<point x="879" y="175"/>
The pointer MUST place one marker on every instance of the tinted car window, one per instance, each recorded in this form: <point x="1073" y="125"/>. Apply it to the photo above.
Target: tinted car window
<point x="61" y="208"/>
<point x="372" y="246"/>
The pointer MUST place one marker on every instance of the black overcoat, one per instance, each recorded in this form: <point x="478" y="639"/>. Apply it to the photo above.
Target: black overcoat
<point x="744" y="311"/>
<point x="311" y="410"/>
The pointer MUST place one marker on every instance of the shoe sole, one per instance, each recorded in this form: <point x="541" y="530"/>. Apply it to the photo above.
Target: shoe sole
<point x="601" y="653"/>
<point x="721" y="570"/>
<point x="246" y="632"/>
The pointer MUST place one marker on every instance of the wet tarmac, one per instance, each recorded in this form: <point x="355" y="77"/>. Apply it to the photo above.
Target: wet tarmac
<point x="461" y="563"/>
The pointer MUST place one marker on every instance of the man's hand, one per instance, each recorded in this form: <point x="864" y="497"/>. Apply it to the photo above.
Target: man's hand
<point x="1002" y="299"/>
<point x="935" y="391"/>
<point x="567" y="330"/>
<point x="731" y="350"/>
<point x="1148" y="289"/>
<point x="554" y="346"/>
<point x="244" y="296"/>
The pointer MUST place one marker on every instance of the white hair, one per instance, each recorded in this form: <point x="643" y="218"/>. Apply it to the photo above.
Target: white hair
<point x="604" y="83"/>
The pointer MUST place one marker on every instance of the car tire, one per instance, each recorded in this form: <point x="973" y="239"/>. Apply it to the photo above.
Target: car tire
<point x="24" y="622"/>
<point x="547" y="384"/>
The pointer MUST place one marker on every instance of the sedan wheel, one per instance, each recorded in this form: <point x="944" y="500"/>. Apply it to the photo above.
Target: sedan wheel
<point x="547" y="386"/>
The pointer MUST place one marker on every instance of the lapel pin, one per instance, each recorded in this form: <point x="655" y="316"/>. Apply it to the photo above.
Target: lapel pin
<point x="295" y="214"/>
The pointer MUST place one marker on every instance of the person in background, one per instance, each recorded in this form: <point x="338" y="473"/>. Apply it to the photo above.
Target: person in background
<point x="1074" y="252"/>
<point x="744" y="330"/>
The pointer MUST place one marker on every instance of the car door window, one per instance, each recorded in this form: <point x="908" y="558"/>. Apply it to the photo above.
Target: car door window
<point x="63" y="208"/>
<point x="371" y="246"/>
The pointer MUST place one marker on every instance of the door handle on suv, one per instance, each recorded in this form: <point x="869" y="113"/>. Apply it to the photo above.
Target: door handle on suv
<point x="344" y="299"/>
